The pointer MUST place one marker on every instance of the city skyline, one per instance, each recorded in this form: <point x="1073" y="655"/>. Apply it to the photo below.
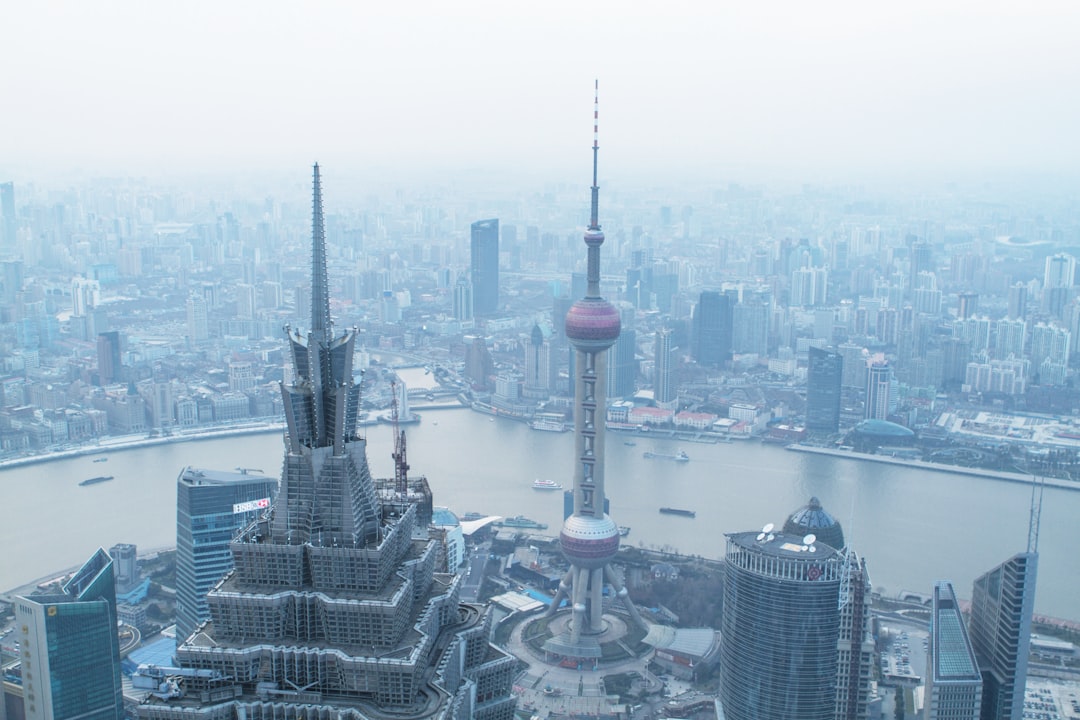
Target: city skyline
<point x="782" y="92"/>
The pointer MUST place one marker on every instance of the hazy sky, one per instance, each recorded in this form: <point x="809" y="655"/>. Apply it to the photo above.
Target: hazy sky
<point x="809" y="89"/>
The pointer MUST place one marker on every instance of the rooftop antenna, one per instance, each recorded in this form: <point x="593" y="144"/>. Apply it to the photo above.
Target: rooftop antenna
<point x="1037" y="485"/>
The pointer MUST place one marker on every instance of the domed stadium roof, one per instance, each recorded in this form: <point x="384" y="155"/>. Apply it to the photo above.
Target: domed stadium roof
<point x="813" y="519"/>
<point x="883" y="429"/>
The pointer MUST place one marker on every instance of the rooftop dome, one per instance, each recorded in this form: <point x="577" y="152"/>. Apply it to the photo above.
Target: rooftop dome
<point x="883" y="429"/>
<point x="812" y="519"/>
<point x="592" y="324"/>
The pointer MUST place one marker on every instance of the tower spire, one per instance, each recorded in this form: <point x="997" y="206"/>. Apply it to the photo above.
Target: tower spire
<point x="594" y="236"/>
<point x="594" y="216"/>
<point x="320" y="294"/>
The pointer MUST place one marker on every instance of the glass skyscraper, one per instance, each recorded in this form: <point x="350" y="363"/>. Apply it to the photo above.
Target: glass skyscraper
<point x="1002" y="603"/>
<point x="780" y="626"/>
<point x="823" y="379"/>
<point x="70" y="649"/>
<point x="712" y="328"/>
<point x="485" y="266"/>
<point x="210" y="507"/>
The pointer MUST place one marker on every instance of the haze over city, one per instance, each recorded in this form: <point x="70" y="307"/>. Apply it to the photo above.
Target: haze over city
<point x="348" y="371"/>
<point x="785" y="92"/>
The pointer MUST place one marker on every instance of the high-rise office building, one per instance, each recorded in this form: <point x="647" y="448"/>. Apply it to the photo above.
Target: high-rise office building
<point x="855" y="656"/>
<point x="712" y="328"/>
<point x="463" y="299"/>
<point x="1002" y="603"/>
<point x="1060" y="271"/>
<point x="1018" y="296"/>
<point x="538" y="364"/>
<point x="125" y="559"/>
<point x="8" y="224"/>
<point x="108" y="355"/>
<point x="11" y="275"/>
<point x="823" y="383"/>
<point x="485" y="266"/>
<point x="333" y="609"/>
<point x="85" y="296"/>
<point x="622" y="356"/>
<point x="664" y="391"/>
<point x="953" y="684"/>
<point x="70" y="648"/>
<point x="750" y="327"/>
<point x="198" y="323"/>
<point x="922" y="260"/>
<point x="781" y="625"/>
<point x="967" y="305"/>
<point x="589" y="538"/>
<point x="879" y="388"/>
<point x="211" y="506"/>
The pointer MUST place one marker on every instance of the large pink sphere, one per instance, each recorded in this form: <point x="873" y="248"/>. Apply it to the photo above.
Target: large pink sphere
<point x="589" y="542"/>
<point x="593" y="324"/>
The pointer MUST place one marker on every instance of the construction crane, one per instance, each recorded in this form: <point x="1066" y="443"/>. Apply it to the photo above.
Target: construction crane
<point x="401" y="465"/>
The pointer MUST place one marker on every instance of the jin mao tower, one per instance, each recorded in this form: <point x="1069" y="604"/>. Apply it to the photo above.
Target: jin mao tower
<point x="333" y="610"/>
<point x="589" y="537"/>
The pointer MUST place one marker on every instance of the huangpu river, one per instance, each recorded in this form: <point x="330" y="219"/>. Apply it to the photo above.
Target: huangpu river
<point x="912" y="526"/>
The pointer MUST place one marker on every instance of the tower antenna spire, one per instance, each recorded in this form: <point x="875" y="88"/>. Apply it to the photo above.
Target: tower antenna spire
<point x="594" y="215"/>
<point x="320" y="294"/>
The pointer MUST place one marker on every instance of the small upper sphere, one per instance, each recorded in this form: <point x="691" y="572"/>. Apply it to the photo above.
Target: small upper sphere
<point x="594" y="237"/>
<point x="593" y="323"/>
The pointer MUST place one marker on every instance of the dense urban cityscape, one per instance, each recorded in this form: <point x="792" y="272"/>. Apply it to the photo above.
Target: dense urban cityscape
<point x="136" y="317"/>
<point x="340" y="381"/>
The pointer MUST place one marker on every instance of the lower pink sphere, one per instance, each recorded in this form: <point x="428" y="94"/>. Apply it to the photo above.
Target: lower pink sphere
<point x="589" y="542"/>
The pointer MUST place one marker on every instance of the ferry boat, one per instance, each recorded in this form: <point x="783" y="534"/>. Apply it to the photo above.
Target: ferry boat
<point x="101" y="459"/>
<point x="678" y="511"/>
<point x="96" y="480"/>
<point x="539" y="484"/>
<point x="629" y="443"/>
<point x="548" y="425"/>
<point x="680" y="456"/>
<point x="520" y="521"/>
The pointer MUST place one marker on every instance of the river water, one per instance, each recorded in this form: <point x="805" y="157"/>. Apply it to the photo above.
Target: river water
<point x="912" y="526"/>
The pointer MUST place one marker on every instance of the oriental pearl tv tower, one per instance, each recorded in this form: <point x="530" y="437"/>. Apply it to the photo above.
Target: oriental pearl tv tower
<point x="589" y="537"/>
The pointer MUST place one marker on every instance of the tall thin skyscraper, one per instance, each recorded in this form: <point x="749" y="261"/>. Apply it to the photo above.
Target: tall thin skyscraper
<point x="664" y="391"/>
<point x="823" y="379"/>
<point x="211" y="506"/>
<point x="589" y="537"/>
<point x="1002" y="603"/>
<point x="70" y="648"/>
<point x="780" y="624"/>
<point x="333" y="609"/>
<point x="953" y="685"/>
<point x="485" y="266"/>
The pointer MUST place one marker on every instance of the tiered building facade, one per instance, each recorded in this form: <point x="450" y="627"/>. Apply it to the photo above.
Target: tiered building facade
<point x="334" y="608"/>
